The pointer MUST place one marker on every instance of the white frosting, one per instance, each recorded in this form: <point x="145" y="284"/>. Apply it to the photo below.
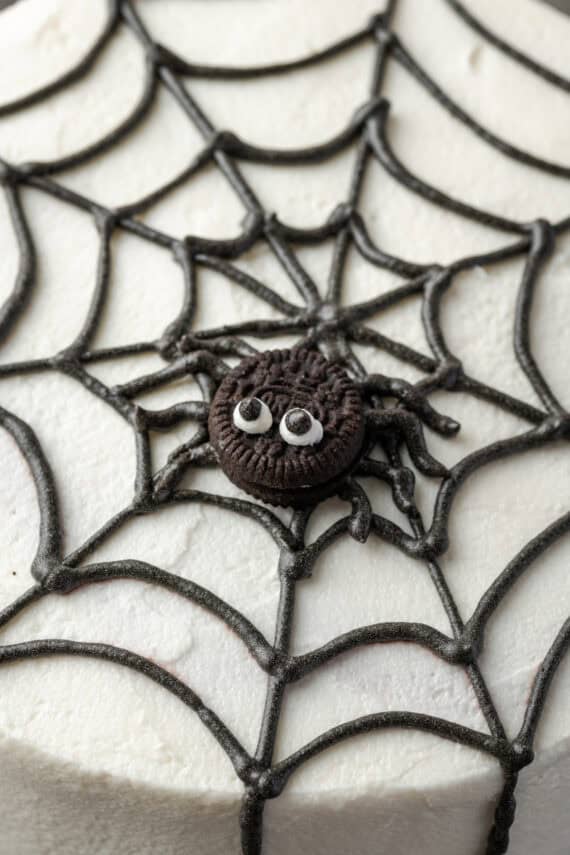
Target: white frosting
<point x="260" y="424"/>
<point x="96" y="759"/>
<point x="312" y="436"/>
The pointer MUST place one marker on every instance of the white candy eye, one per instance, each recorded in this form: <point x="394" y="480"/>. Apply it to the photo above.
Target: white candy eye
<point x="299" y="427"/>
<point x="252" y="416"/>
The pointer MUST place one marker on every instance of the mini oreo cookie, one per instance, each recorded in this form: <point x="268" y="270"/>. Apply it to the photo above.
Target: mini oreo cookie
<point x="287" y="426"/>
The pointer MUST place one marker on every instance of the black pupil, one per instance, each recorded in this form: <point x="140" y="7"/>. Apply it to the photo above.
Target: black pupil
<point x="249" y="409"/>
<point x="298" y="421"/>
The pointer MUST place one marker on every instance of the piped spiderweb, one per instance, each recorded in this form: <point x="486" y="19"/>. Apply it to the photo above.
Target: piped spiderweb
<point x="318" y="321"/>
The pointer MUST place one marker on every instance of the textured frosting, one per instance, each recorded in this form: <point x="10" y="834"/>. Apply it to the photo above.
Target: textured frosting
<point x="101" y="759"/>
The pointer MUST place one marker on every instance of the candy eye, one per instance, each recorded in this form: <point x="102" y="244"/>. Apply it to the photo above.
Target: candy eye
<point x="299" y="427"/>
<point x="252" y="416"/>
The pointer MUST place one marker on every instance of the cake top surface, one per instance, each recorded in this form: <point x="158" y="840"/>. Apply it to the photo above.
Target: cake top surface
<point x="130" y="294"/>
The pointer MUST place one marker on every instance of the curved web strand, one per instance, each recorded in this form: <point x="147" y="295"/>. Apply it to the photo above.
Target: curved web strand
<point x="25" y="277"/>
<point x="322" y="322"/>
<point x="79" y="71"/>
<point x="508" y="49"/>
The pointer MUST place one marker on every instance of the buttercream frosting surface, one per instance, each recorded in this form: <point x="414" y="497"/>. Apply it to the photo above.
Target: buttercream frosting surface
<point x="97" y="759"/>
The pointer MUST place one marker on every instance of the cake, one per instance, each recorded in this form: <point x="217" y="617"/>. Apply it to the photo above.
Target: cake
<point x="377" y="664"/>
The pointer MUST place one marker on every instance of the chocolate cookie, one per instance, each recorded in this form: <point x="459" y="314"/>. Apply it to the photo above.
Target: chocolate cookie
<point x="287" y="426"/>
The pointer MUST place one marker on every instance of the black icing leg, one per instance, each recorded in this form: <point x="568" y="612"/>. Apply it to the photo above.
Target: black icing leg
<point x="405" y="426"/>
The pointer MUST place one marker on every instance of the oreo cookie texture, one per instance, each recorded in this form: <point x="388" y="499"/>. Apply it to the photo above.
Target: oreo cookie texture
<point x="287" y="426"/>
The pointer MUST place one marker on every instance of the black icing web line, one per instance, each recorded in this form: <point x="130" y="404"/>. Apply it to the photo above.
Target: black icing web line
<point x="334" y="329"/>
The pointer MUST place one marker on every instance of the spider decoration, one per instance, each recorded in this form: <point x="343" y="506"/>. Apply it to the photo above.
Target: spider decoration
<point x="290" y="428"/>
<point x="294" y="427"/>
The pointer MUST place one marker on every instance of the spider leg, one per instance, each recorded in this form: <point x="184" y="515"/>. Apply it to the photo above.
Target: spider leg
<point x="199" y="362"/>
<point x="361" y="516"/>
<point x="408" y="425"/>
<point x="221" y="345"/>
<point x="170" y="416"/>
<point x="413" y="398"/>
<point x="400" y="478"/>
<point x="208" y="370"/>
<point x="197" y="451"/>
<point x="163" y="420"/>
